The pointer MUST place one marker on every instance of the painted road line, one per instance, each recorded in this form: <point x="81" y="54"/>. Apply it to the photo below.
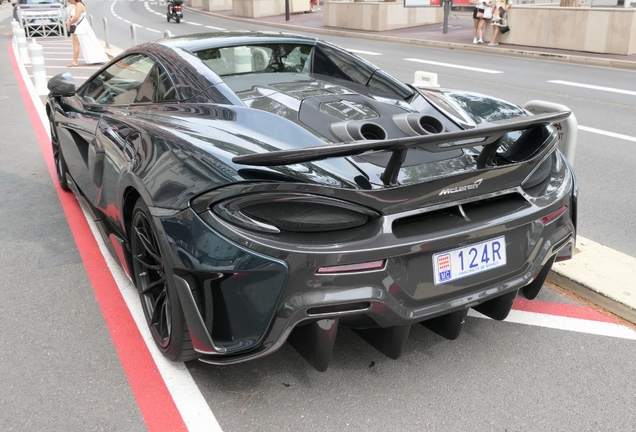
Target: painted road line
<point x="165" y="392"/>
<point x="594" y="87"/>
<point x="191" y="404"/>
<point x="607" y="133"/>
<point x="192" y="23"/>
<point x="146" y="384"/>
<point x="215" y="28"/>
<point x="566" y="323"/>
<point x="454" y="66"/>
<point x="560" y="309"/>
<point x="363" y="52"/>
<point x="152" y="30"/>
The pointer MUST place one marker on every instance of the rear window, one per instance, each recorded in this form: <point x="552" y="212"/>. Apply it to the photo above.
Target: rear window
<point x="266" y="58"/>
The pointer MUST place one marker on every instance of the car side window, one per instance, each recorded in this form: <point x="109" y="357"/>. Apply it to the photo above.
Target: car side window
<point x="120" y="84"/>
<point x="166" y="91"/>
<point x="157" y="87"/>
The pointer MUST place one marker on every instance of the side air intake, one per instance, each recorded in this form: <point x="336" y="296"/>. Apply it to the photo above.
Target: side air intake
<point x="414" y="124"/>
<point x="356" y="131"/>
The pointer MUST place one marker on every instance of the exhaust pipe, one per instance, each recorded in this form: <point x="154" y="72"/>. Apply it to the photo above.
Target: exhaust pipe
<point x="414" y="124"/>
<point x="356" y="131"/>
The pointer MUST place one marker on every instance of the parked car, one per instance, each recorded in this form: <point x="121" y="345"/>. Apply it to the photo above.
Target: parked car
<point x="41" y="18"/>
<point x="262" y="188"/>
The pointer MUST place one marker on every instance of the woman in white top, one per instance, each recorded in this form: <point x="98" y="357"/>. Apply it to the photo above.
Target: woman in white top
<point x="84" y="38"/>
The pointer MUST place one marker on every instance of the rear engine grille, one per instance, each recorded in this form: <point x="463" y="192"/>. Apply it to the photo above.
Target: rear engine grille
<point x="451" y="218"/>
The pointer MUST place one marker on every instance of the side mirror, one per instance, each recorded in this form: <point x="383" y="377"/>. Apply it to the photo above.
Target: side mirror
<point x="62" y="85"/>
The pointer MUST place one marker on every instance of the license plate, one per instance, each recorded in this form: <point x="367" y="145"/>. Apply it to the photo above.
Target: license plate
<point x="469" y="260"/>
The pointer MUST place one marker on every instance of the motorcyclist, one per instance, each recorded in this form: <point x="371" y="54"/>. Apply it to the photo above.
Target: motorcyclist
<point x="171" y="10"/>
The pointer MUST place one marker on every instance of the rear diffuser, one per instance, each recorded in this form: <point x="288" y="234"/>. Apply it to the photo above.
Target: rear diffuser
<point x="499" y="307"/>
<point x="448" y="326"/>
<point x="389" y="341"/>
<point x="314" y="342"/>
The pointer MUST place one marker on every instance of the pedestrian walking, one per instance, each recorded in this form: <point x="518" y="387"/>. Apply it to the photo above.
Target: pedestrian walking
<point x="482" y="13"/>
<point x="499" y="19"/>
<point x="83" y="37"/>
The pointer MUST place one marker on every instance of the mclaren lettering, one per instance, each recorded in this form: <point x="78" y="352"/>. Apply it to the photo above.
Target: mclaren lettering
<point x="461" y="188"/>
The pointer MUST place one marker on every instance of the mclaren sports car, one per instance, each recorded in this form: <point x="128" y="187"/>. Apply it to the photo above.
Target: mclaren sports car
<point x="266" y="188"/>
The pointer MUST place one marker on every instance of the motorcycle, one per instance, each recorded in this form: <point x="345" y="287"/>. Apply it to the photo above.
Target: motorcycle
<point x="174" y="10"/>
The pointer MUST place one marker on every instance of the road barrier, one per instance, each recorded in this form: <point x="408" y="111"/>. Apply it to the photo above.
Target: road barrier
<point x="133" y="34"/>
<point x="42" y="23"/>
<point x="15" y="26"/>
<point x="106" y="37"/>
<point x="424" y="79"/>
<point x="22" y="46"/>
<point x="37" y="67"/>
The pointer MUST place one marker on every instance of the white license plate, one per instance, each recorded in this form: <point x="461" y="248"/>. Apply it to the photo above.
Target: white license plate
<point x="469" y="260"/>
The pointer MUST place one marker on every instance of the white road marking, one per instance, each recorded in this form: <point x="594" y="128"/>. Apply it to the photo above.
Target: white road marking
<point x="152" y="30"/>
<point x="192" y="23"/>
<point x="566" y="323"/>
<point x="490" y="71"/>
<point x="607" y="133"/>
<point x="363" y="52"/>
<point x="594" y="87"/>
<point x="215" y="28"/>
<point x="193" y="407"/>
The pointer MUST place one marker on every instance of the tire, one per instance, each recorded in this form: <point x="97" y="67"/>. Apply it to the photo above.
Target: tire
<point x="168" y="17"/>
<point x="178" y="20"/>
<point x="159" y="299"/>
<point x="58" y="158"/>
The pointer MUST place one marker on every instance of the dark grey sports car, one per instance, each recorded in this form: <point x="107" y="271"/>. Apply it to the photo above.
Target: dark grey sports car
<point x="262" y="188"/>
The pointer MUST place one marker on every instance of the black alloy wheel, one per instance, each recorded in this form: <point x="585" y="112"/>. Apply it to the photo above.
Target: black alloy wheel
<point x="60" y="164"/>
<point x="159" y="301"/>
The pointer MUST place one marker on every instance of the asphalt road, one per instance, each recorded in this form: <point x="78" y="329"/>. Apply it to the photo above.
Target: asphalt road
<point x="60" y="371"/>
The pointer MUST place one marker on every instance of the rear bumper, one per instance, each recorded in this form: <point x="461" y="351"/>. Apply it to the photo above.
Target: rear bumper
<point x="252" y="294"/>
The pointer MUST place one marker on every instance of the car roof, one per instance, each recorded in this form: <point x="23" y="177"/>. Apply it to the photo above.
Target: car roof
<point x="200" y="41"/>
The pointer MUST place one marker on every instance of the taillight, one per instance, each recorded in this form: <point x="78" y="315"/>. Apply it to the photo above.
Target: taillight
<point x="177" y="8"/>
<point x="297" y="213"/>
<point x="352" y="268"/>
<point x="554" y="215"/>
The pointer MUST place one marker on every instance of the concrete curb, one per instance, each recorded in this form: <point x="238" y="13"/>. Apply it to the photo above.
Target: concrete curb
<point x="601" y="275"/>
<point x="575" y="59"/>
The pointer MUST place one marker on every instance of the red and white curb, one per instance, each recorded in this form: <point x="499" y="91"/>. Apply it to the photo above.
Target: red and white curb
<point x="167" y="396"/>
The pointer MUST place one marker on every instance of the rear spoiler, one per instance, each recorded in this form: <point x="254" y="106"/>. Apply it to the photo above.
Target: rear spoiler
<point x="488" y="135"/>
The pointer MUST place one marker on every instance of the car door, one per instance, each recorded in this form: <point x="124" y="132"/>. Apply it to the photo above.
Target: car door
<point x="106" y="95"/>
<point x="122" y="146"/>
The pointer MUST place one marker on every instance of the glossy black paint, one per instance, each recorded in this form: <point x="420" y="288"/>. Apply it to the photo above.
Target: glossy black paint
<point x="204" y="140"/>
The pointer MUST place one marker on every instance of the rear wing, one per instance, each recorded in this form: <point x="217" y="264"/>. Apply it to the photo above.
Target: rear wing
<point x="488" y="135"/>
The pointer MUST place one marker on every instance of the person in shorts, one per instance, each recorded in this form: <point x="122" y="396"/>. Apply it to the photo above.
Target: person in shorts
<point x="481" y="13"/>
